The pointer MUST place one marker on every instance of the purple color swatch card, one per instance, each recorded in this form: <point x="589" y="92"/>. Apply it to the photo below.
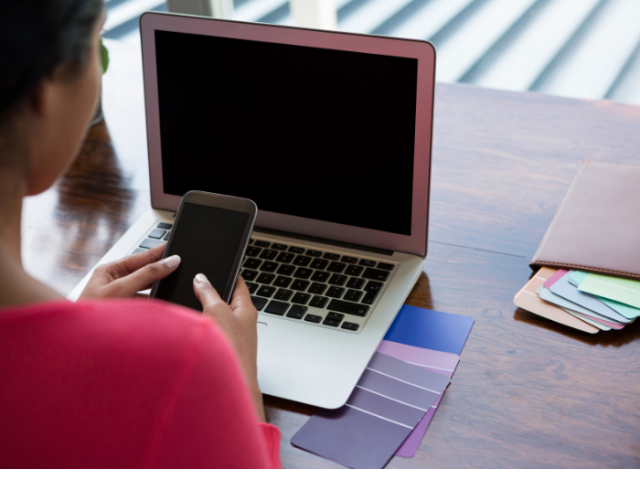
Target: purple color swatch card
<point x="439" y="362"/>
<point x="390" y="399"/>
<point x="423" y="328"/>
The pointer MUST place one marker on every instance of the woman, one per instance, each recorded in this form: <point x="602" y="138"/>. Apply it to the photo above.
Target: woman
<point x="105" y="383"/>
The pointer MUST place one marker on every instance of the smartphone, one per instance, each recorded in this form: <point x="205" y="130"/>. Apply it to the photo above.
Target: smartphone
<point x="211" y="234"/>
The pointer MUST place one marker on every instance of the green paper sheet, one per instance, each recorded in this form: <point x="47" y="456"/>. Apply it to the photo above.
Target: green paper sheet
<point x="619" y="289"/>
<point x="576" y="277"/>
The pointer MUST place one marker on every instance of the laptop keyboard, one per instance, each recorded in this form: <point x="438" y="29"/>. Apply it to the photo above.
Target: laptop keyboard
<point x="313" y="286"/>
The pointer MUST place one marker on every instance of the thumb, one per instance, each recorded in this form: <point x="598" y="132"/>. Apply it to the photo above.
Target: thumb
<point x="211" y="302"/>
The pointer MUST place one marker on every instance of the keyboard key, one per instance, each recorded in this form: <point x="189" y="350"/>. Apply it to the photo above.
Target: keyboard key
<point x="138" y="250"/>
<point x="157" y="233"/>
<point x="333" y="319"/>
<point x="282" y="282"/>
<point x="252" y="263"/>
<point x="356" y="283"/>
<point x="167" y="235"/>
<point x="374" y="274"/>
<point x="286" y="270"/>
<point x="337" y="279"/>
<point x="319" y="264"/>
<point x="313" y="318"/>
<point x="313" y="253"/>
<point x="353" y="295"/>
<point x="347" y="259"/>
<point x="320" y="276"/>
<point x="249" y="275"/>
<point x="262" y="243"/>
<point x="318" y="302"/>
<point x="285" y="257"/>
<point x="300" y="285"/>
<point x="296" y="250"/>
<point x="350" y="326"/>
<point x="303" y="273"/>
<point x="372" y="289"/>
<point x="164" y="226"/>
<point x="259" y="302"/>
<point x="335" y="292"/>
<point x="368" y="263"/>
<point x="297" y="311"/>
<point x="336" y="267"/>
<point x="269" y="267"/>
<point x="349" y="308"/>
<point x="269" y="254"/>
<point x="150" y="243"/>
<point x="250" y="241"/>
<point x="317" y="288"/>
<point x="253" y="251"/>
<point x="266" y="278"/>
<point x="386" y="266"/>
<point x="279" y="246"/>
<point x="354" y="270"/>
<point x="276" y="307"/>
<point x="283" y="294"/>
<point x="252" y="287"/>
<point x="331" y="256"/>
<point x="301" y="298"/>
<point x="302" y="261"/>
<point x="266" y="291"/>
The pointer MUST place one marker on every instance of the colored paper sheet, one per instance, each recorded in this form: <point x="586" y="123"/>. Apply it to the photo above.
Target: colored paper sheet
<point x="572" y="293"/>
<point x="429" y="329"/>
<point x="621" y="290"/>
<point x="410" y="446"/>
<point x="555" y="277"/>
<point x="439" y="362"/>
<point x="577" y="276"/>
<point x="390" y="399"/>
<point x="529" y="300"/>
<point x="548" y="296"/>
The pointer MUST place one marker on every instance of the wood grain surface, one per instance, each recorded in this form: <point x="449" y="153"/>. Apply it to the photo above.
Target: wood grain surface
<point x="527" y="392"/>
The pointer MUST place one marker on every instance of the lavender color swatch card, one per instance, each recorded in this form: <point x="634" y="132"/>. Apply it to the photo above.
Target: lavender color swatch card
<point x="439" y="362"/>
<point x="390" y="399"/>
<point x="423" y="328"/>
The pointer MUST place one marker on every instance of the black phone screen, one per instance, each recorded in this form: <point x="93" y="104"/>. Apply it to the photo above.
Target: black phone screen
<point x="208" y="239"/>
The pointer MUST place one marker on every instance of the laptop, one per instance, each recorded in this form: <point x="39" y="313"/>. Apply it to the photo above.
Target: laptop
<point x="330" y="134"/>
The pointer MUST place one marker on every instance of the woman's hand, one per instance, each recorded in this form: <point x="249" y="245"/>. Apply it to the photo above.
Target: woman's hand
<point x="238" y="321"/>
<point x="124" y="278"/>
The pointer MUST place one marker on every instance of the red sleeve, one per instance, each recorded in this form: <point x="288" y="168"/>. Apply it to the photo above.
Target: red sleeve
<point x="209" y="420"/>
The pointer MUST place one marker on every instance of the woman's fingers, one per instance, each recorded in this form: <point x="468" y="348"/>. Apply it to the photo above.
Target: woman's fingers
<point x="133" y="263"/>
<point x="211" y="302"/>
<point x="241" y="300"/>
<point x="128" y="285"/>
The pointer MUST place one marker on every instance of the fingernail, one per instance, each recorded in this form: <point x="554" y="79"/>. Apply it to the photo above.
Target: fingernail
<point x="200" y="278"/>
<point x="172" y="261"/>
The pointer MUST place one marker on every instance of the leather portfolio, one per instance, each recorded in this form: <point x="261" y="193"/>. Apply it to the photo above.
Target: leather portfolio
<point x="597" y="226"/>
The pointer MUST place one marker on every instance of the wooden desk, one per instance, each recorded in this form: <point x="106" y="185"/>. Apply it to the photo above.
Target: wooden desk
<point x="528" y="392"/>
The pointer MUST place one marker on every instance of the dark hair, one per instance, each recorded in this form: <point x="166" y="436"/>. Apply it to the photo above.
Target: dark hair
<point x="36" y="36"/>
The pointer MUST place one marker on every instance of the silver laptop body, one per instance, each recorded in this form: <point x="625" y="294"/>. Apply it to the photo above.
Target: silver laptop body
<point x="330" y="134"/>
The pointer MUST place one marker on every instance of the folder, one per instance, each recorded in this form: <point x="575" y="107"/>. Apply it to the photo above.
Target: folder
<point x="596" y="227"/>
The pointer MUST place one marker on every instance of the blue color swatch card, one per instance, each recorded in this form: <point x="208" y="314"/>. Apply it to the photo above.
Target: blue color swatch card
<point x="423" y="328"/>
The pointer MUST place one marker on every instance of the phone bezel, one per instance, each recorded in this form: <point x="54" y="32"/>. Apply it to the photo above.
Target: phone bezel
<point x="225" y="202"/>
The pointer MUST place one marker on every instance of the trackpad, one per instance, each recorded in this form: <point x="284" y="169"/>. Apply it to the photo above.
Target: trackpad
<point x="261" y="328"/>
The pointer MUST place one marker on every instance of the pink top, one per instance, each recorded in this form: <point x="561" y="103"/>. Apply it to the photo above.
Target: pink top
<point x="124" y="384"/>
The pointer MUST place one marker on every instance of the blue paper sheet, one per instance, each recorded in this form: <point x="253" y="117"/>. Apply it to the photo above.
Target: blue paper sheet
<point x="428" y="329"/>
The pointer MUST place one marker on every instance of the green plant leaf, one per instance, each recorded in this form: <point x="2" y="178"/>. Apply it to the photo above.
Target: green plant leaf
<point x="104" y="57"/>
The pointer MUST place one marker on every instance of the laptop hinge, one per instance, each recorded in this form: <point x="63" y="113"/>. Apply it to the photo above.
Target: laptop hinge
<point x="335" y="243"/>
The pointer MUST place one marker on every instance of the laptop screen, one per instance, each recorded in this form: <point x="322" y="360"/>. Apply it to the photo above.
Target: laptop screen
<point x="310" y="132"/>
